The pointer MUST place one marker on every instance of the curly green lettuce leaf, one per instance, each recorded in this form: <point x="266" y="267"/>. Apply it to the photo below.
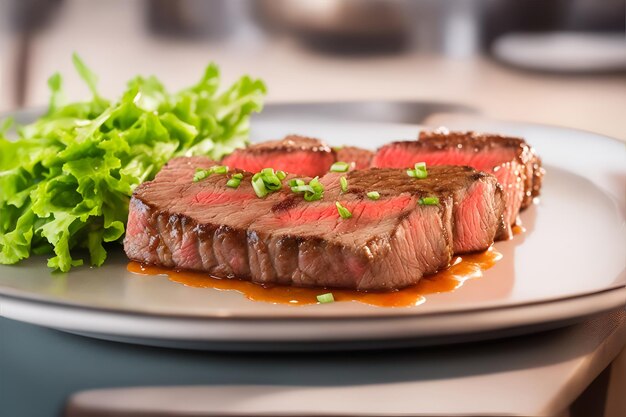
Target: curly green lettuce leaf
<point x="65" y="183"/>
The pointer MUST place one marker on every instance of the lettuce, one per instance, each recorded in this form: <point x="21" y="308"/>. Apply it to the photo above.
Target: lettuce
<point x="65" y="183"/>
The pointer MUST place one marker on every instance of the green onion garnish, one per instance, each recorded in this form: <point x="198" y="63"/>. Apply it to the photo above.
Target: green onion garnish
<point x="326" y="298"/>
<point x="318" y="190"/>
<point x="220" y="169"/>
<point x="200" y="174"/>
<point x="259" y="186"/>
<point x="428" y="201"/>
<point x="302" y="189"/>
<point x="271" y="180"/>
<point x="344" y="184"/>
<point x="272" y="183"/>
<point x="343" y="212"/>
<point x="295" y="182"/>
<point x="339" y="167"/>
<point x="313" y="191"/>
<point x="419" y="171"/>
<point x="233" y="182"/>
<point x="267" y="181"/>
<point x="203" y="173"/>
<point x="373" y="195"/>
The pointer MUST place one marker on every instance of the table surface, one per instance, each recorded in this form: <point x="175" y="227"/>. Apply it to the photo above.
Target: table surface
<point x="532" y="375"/>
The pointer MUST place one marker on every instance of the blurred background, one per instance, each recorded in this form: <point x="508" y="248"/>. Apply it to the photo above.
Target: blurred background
<point x="560" y="62"/>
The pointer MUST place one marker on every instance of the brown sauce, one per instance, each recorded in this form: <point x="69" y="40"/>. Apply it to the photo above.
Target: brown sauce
<point x="464" y="267"/>
<point x="518" y="229"/>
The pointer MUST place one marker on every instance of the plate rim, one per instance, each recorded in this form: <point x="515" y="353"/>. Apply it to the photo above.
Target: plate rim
<point x="331" y="334"/>
<point x="347" y="316"/>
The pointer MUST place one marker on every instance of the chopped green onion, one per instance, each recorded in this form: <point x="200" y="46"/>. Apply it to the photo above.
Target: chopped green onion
<point x="281" y="175"/>
<point x="373" y="195"/>
<point x="337" y="148"/>
<point x="220" y="169"/>
<point x="419" y="171"/>
<point x="233" y="182"/>
<point x="344" y="184"/>
<point x="239" y="176"/>
<point x="302" y="189"/>
<point x="343" y="212"/>
<point x="314" y="196"/>
<point x="200" y="175"/>
<point x="267" y="181"/>
<point x="428" y="201"/>
<point x="203" y="173"/>
<point x="326" y="298"/>
<point x="259" y="186"/>
<point x="318" y="190"/>
<point x="272" y="182"/>
<point x="339" y="167"/>
<point x="295" y="182"/>
<point x="313" y="191"/>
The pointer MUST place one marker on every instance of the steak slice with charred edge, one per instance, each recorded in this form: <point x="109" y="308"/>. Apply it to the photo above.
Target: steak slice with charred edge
<point x="513" y="162"/>
<point x="297" y="154"/>
<point x="388" y="243"/>
<point x="358" y="158"/>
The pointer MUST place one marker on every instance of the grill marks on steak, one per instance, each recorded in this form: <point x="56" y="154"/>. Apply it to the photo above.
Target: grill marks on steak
<point x="298" y="154"/>
<point x="389" y="243"/>
<point x="513" y="162"/>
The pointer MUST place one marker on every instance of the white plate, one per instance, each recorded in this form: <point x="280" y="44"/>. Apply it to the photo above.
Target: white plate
<point x="565" y="52"/>
<point x="568" y="265"/>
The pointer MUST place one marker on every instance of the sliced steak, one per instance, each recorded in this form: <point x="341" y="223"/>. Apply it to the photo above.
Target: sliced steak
<point x="478" y="198"/>
<point x="513" y="162"/>
<point x="176" y="222"/>
<point x="387" y="244"/>
<point x="358" y="158"/>
<point x="297" y="154"/>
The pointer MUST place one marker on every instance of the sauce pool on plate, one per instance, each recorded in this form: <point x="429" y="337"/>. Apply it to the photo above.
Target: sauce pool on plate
<point x="463" y="268"/>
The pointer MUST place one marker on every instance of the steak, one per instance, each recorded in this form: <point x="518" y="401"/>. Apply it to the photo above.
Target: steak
<point x="297" y="154"/>
<point x="387" y="244"/>
<point x="513" y="162"/>
<point x="359" y="158"/>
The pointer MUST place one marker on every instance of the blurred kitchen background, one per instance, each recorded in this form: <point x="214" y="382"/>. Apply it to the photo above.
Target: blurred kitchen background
<point x="560" y="62"/>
